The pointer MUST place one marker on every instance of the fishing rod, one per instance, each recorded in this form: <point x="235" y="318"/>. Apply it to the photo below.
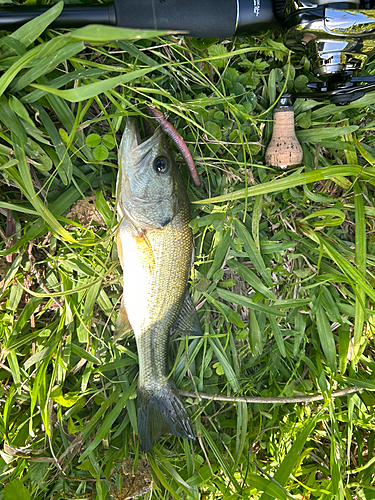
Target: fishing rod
<point x="337" y="36"/>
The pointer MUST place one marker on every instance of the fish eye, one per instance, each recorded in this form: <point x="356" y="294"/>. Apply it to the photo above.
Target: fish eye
<point x="160" y="164"/>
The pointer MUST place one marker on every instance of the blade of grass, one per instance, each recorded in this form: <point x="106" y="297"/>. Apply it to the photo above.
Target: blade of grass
<point x="65" y="167"/>
<point x="278" y="335"/>
<point x="11" y="120"/>
<point x="30" y="58"/>
<point x="46" y="65"/>
<point x="351" y="272"/>
<point x="250" y="277"/>
<point x="290" y="181"/>
<point x="14" y="366"/>
<point x="219" y="251"/>
<point x="31" y="30"/>
<point x="327" y="341"/>
<point x="255" y="335"/>
<point x="253" y="252"/>
<point x="247" y="302"/>
<point x="319" y="134"/>
<point x="93" y="89"/>
<point x="360" y="259"/>
<point x="103" y="34"/>
<point x="360" y="247"/>
<point x="225" y="363"/>
<point x="160" y="475"/>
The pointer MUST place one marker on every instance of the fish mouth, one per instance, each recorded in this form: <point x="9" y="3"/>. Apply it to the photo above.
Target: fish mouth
<point x="132" y="143"/>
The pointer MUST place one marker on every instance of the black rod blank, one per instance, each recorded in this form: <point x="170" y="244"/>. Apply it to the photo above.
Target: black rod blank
<point x="72" y="16"/>
<point x="199" y="18"/>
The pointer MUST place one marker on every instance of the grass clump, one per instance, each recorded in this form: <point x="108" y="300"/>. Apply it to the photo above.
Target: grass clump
<point x="283" y="277"/>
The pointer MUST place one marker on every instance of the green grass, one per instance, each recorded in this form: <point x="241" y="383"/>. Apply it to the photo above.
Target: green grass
<point x="283" y="277"/>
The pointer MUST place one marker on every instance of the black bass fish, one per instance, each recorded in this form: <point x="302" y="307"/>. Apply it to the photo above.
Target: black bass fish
<point x="155" y="246"/>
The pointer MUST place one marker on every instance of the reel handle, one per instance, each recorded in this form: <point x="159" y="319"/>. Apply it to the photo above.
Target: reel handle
<point x="284" y="150"/>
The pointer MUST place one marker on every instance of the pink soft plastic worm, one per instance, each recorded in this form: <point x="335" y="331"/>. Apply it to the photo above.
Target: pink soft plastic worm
<point x="178" y="141"/>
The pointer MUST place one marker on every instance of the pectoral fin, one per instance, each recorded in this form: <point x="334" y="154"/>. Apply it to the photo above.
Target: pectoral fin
<point x="187" y="322"/>
<point x="146" y="253"/>
<point x="122" y="324"/>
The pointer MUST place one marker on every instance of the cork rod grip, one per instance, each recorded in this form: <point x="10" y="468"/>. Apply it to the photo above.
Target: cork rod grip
<point x="284" y="149"/>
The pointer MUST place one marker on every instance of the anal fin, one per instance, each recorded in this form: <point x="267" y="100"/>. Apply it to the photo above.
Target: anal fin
<point x="187" y="322"/>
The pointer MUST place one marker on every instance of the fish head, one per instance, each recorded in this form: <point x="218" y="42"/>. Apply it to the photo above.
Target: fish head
<point x="148" y="180"/>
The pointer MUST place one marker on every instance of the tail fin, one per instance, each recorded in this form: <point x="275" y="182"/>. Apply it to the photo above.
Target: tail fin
<point x="160" y="411"/>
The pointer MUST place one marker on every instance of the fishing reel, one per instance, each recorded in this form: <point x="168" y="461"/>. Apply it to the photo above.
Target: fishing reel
<point x="338" y="37"/>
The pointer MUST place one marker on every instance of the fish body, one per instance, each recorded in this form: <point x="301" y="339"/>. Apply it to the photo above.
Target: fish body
<point x="155" y="247"/>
